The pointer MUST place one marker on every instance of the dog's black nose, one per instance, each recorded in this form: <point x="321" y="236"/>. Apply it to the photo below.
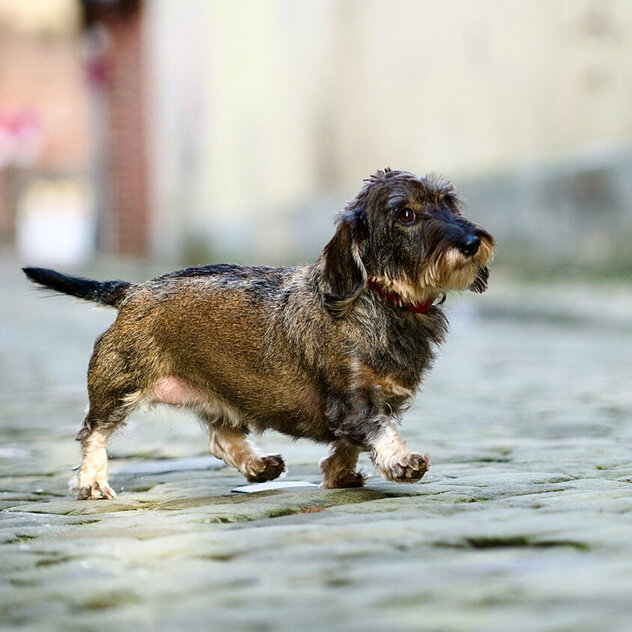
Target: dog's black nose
<point x="469" y="245"/>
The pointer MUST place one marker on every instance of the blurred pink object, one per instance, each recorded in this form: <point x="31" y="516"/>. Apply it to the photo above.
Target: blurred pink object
<point x="21" y="137"/>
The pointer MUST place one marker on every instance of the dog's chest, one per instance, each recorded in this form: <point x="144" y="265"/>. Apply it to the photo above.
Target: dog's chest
<point x="405" y="353"/>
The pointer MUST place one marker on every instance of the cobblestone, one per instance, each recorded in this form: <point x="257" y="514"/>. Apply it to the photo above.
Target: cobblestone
<point x="523" y="521"/>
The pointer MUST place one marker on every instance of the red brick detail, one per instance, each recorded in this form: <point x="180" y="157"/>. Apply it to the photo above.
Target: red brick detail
<point x="127" y="231"/>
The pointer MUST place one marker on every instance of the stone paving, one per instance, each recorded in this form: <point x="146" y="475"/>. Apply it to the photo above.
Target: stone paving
<point x="524" y="521"/>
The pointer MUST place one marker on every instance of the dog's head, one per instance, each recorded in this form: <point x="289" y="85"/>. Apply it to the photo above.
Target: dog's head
<point x="408" y="236"/>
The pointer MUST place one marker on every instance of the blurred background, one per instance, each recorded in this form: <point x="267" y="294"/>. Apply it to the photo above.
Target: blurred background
<point x="204" y="130"/>
<point x="141" y="136"/>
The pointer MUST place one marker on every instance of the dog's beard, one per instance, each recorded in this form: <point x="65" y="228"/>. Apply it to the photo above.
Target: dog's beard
<point x="446" y="271"/>
<point x="407" y="290"/>
<point x="450" y="270"/>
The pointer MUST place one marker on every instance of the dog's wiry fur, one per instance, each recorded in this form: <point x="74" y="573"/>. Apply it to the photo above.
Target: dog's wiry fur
<point x="332" y="352"/>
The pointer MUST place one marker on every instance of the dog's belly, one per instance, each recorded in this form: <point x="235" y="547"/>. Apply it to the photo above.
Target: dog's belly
<point x="300" y="415"/>
<point x="175" y="391"/>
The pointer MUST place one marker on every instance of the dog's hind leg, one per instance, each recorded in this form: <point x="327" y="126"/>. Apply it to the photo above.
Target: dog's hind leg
<point x="339" y="467"/>
<point x="104" y="416"/>
<point x="232" y="446"/>
<point x="113" y="395"/>
<point x="91" y="481"/>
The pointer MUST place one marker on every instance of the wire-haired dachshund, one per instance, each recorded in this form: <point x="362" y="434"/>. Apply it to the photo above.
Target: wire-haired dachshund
<point x="331" y="351"/>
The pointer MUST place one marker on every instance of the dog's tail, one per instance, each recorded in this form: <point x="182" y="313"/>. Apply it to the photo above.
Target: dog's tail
<point x="106" y="292"/>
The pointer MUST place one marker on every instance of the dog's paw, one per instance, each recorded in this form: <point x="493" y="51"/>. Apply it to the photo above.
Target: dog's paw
<point x="408" y="468"/>
<point x="96" y="490"/>
<point x="344" y="479"/>
<point x="265" y="468"/>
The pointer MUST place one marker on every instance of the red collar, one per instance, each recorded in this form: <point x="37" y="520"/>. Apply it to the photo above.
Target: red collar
<point x="396" y="299"/>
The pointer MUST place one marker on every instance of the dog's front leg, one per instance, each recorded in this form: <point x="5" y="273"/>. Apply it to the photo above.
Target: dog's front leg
<point x="235" y="450"/>
<point x="362" y="422"/>
<point x="394" y="459"/>
<point x="339" y="468"/>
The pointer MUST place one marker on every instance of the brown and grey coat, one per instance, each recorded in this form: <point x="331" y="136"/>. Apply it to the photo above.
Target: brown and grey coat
<point x="331" y="352"/>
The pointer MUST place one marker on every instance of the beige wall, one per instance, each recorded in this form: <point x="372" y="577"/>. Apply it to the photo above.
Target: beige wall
<point x="260" y="107"/>
<point x="41" y="71"/>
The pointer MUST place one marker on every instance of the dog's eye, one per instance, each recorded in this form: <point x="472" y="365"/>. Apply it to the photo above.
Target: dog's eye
<point x="406" y="216"/>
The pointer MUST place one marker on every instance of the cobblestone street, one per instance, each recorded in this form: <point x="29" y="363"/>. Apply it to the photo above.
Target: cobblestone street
<point x="524" y="521"/>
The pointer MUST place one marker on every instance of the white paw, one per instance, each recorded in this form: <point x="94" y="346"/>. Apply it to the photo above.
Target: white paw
<point x="93" y="490"/>
<point x="408" y="468"/>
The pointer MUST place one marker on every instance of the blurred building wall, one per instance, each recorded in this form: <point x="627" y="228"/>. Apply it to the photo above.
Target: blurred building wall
<point x="114" y="35"/>
<point x="266" y="113"/>
<point x="44" y="112"/>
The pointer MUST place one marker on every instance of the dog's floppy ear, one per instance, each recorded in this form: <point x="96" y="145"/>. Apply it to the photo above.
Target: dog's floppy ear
<point x="343" y="273"/>
<point x="479" y="285"/>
